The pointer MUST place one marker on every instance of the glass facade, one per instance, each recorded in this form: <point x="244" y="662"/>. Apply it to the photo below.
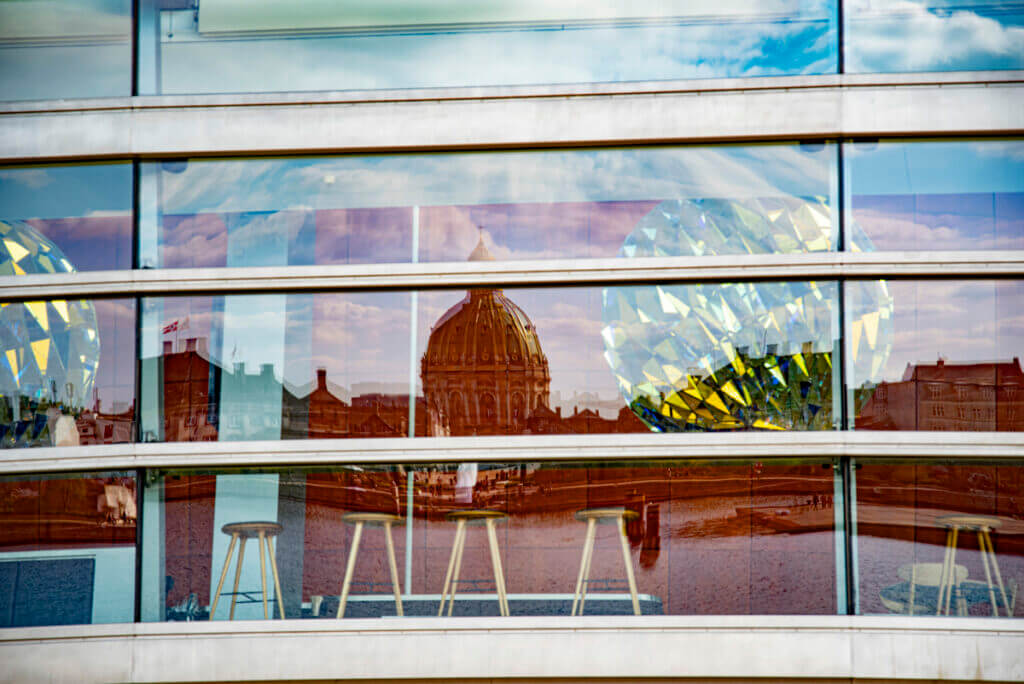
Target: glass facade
<point x="723" y="199"/>
<point x="67" y="376"/>
<point x="314" y="45"/>
<point x="491" y="362"/>
<point x="940" y="538"/>
<point x="620" y="534"/>
<point x="65" y="218"/>
<point x="660" y="538"/>
<point x="84" y="48"/>
<point x="885" y="36"/>
<point x="929" y="195"/>
<point x="954" y="359"/>
<point x="67" y="549"/>
<point x="65" y="48"/>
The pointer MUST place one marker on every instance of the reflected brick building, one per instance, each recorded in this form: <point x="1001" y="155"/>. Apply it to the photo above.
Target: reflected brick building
<point x="949" y="397"/>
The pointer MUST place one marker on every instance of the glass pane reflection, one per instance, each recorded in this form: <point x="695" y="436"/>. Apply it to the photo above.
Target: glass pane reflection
<point x="368" y="45"/>
<point x="885" y="36"/>
<point x="955" y="360"/>
<point x="59" y="219"/>
<point x="906" y="517"/>
<point x="522" y="205"/>
<point x="930" y="195"/>
<point x="67" y="372"/>
<point x="67" y="549"/>
<point x="65" y="48"/>
<point x="490" y="362"/>
<point x="739" y="538"/>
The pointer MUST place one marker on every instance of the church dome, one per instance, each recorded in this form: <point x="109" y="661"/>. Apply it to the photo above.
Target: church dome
<point x="485" y="329"/>
<point x="483" y="370"/>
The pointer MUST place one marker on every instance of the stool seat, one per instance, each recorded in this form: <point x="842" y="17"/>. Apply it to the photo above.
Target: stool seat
<point x="970" y="522"/>
<point x="359" y="519"/>
<point x="372" y="518"/>
<point x="592" y="516"/>
<point x="606" y="515"/>
<point x="463" y="518"/>
<point x="249" y="530"/>
<point x="475" y="514"/>
<point x="264" y="532"/>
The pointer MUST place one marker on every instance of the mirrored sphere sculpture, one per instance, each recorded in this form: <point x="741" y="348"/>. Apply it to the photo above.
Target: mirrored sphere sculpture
<point x="49" y="350"/>
<point x="735" y="356"/>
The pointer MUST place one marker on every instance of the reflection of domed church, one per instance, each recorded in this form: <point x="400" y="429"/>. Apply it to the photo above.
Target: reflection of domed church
<point x="483" y="371"/>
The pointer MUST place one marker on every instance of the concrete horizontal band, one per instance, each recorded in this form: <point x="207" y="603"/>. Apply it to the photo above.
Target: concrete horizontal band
<point x="807" y="266"/>
<point x="476" y="118"/>
<point x="611" y="649"/>
<point x="965" y="446"/>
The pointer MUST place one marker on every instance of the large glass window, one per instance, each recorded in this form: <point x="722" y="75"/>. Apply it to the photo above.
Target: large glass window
<point x="67" y="549"/>
<point x="65" y="218"/>
<point x="201" y="46"/>
<point x="648" y="201"/>
<point x="65" y="48"/>
<point x="930" y="195"/>
<point x="630" y="358"/>
<point x="67" y="375"/>
<point x="944" y="355"/>
<point x="884" y="36"/>
<point x="940" y="538"/>
<point x="652" y="538"/>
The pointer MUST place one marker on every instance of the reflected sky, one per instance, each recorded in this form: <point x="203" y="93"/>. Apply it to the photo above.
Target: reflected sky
<point x="65" y="48"/>
<point x="690" y="40"/>
<point x="959" y="321"/>
<point x="885" y="36"/>
<point x="937" y="195"/>
<point x="85" y="209"/>
<point x="531" y="204"/>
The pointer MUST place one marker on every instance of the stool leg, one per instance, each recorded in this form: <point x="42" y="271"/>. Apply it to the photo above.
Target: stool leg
<point x="350" y="568"/>
<point x="223" y="575"/>
<point x="263" y="573"/>
<point x="943" y="573"/>
<point x="995" y="568"/>
<point x="587" y="540"/>
<point x="913" y="587"/>
<point x="451" y="567"/>
<point x="629" y="566"/>
<point x="988" y="573"/>
<point x="394" y="569"/>
<point x="238" y="576"/>
<point x="586" y="568"/>
<point x="458" y="567"/>
<point x="277" y="577"/>
<point x="499" y="575"/>
<point x="951" y="575"/>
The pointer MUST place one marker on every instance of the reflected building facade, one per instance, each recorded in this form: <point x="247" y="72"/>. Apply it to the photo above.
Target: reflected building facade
<point x="948" y="396"/>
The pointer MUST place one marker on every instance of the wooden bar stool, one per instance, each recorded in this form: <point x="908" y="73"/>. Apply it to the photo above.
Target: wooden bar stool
<point x="982" y="525"/>
<point x="264" y="531"/>
<point x="593" y="516"/>
<point x="451" y="576"/>
<point x="385" y="520"/>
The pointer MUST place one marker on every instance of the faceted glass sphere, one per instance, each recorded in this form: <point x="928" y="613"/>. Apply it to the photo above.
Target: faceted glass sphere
<point x="49" y="351"/>
<point x="735" y="356"/>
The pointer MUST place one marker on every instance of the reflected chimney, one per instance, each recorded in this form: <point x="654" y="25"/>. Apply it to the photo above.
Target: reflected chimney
<point x="321" y="378"/>
<point x="168" y="347"/>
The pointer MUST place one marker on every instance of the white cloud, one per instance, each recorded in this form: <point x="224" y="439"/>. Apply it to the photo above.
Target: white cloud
<point x="906" y="35"/>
